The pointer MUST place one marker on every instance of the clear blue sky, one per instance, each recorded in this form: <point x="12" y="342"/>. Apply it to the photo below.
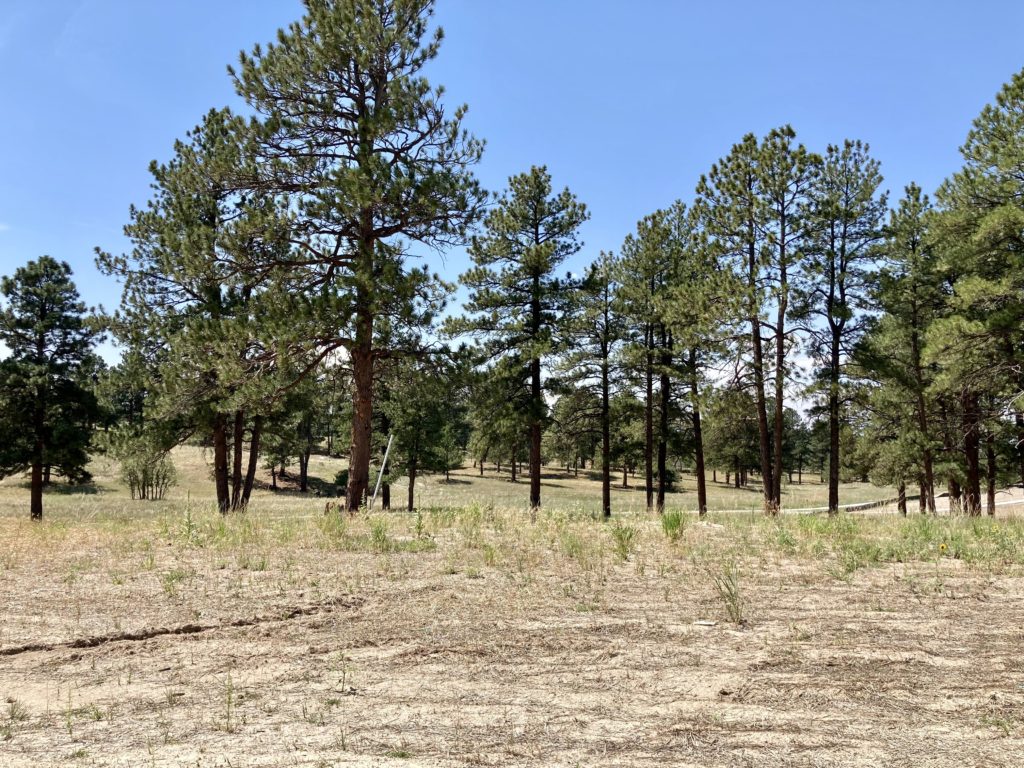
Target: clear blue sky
<point x="626" y="101"/>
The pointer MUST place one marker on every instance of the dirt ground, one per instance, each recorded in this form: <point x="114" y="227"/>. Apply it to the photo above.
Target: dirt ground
<point x="481" y="638"/>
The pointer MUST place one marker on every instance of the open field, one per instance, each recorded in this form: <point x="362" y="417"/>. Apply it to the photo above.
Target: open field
<point x="141" y="633"/>
<point x="561" y="490"/>
<point x="136" y="634"/>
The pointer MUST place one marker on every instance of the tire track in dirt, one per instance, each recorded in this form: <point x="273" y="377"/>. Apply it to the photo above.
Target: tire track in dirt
<point x="148" y="633"/>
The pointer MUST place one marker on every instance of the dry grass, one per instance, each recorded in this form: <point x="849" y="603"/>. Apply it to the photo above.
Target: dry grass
<point x="471" y="636"/>
<point x="560" y="489"/>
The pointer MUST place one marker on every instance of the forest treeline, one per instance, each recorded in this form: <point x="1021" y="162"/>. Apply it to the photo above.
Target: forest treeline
<point x="787" y="317"/>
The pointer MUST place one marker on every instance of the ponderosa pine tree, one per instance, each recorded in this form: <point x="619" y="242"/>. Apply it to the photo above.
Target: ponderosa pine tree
<point x="368" y="159"/>
<point x="845" y="227"/>
<point x="207" y="331"/>
<point x="595" y="330"/>
<point x="646" y="268"/>
<point x="978" y="234"/>
<point x="516" y="301"/>
<point x="46" y="414"/>
<point x="732" y="215"/>
<point x="787" y="175"/>
<point x="910" y="293"/>
<point x="698" y="307"/>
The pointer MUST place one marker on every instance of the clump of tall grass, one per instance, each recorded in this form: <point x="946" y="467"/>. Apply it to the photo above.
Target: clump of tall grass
<point x="727" y="585"/>
<point x="625" y="538"/>
<point x="673" y="524"/>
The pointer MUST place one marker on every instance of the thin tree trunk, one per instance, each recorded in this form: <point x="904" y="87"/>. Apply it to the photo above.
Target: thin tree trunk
<point x="238" y="437"/>
<point x="36" y="493"/>
<point x="254" y="455"/>
<point x="535" y="433"/>
<point x="1018" y="419"/>
<point x="955" y="500"/>
<point x="606" y="438"/>
<point x="649" y="417"/>
<point x="698" y="439"/>
<point x="990" y="473"/>
<point x="220" y="462"/>
<point x="304" y="470"/>
<point x="971" y="450"/>
<point x="928" y="491"/>
<point x="410" y="505"/>
<point x="833" y="430"/>
<point x="664" y="390"/>
<point x="902" y="503"/>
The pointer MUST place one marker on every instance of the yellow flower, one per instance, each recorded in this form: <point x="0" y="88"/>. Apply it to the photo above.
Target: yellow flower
<point x="943" y="547"/>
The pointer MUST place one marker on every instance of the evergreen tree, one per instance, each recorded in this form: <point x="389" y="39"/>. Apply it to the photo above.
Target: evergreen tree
<point x="595" y="330"/>
<point x="207" y="332"/>
<point x="369" y="160"/>
<point x="845" y="220"/>
<point x="47" y="413"/>
<point x="733" y="216"/>
<point x="647" y="267"/>
<point x="978" y="233"/>
<point x="516" y="301"/>
<point x="698" y="308"/>
<point x="910" y="293"/>
<point x="787" y="175"/>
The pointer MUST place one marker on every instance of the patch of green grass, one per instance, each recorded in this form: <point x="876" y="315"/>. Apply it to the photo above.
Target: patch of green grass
<point x="673" y="523"/>
<point x="625" y="538"/>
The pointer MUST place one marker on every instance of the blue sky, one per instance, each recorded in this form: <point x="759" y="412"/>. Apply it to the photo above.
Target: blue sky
<point x="627" y="103"/>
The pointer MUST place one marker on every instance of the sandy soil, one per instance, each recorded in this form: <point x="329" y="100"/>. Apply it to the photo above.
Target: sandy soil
<point x="124" y="647"/>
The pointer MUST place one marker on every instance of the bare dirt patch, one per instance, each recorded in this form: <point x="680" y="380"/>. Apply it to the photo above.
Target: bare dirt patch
<point x="477" y="638"/>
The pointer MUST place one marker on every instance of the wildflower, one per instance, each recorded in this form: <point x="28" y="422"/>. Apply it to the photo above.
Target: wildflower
<point x="943" y="548"/>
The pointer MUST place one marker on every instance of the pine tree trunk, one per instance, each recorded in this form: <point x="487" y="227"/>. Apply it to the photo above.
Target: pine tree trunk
<point x="928" y="490"/>
<point x="625" y="476"/>
<point x="763" y="433"/>
<point x="833" y="431"/>
<point x="254" y="455"/>
<point x="698" y="439"/>
<point x="606" y="439"/>
<point x="1018" y="419"/>
<point x="922" y="501"/>
<point x="954" y="490"/>
<point x="990" y="473"/>
<point x="36" y="493"/>
<point x="514" y="462"/>
<point x="649" y="418"/>
<point x="238" y="437"/>
<point x="664" y="389"/>
<point x="304" y="470"/>
<point x="902" y="503"/>
<point x="410" y="504"/>
<point x="971" y="450"/>
<point x="385" y="495"/>
<point x="362" y="396"/>
<point x="220" y="462"/>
